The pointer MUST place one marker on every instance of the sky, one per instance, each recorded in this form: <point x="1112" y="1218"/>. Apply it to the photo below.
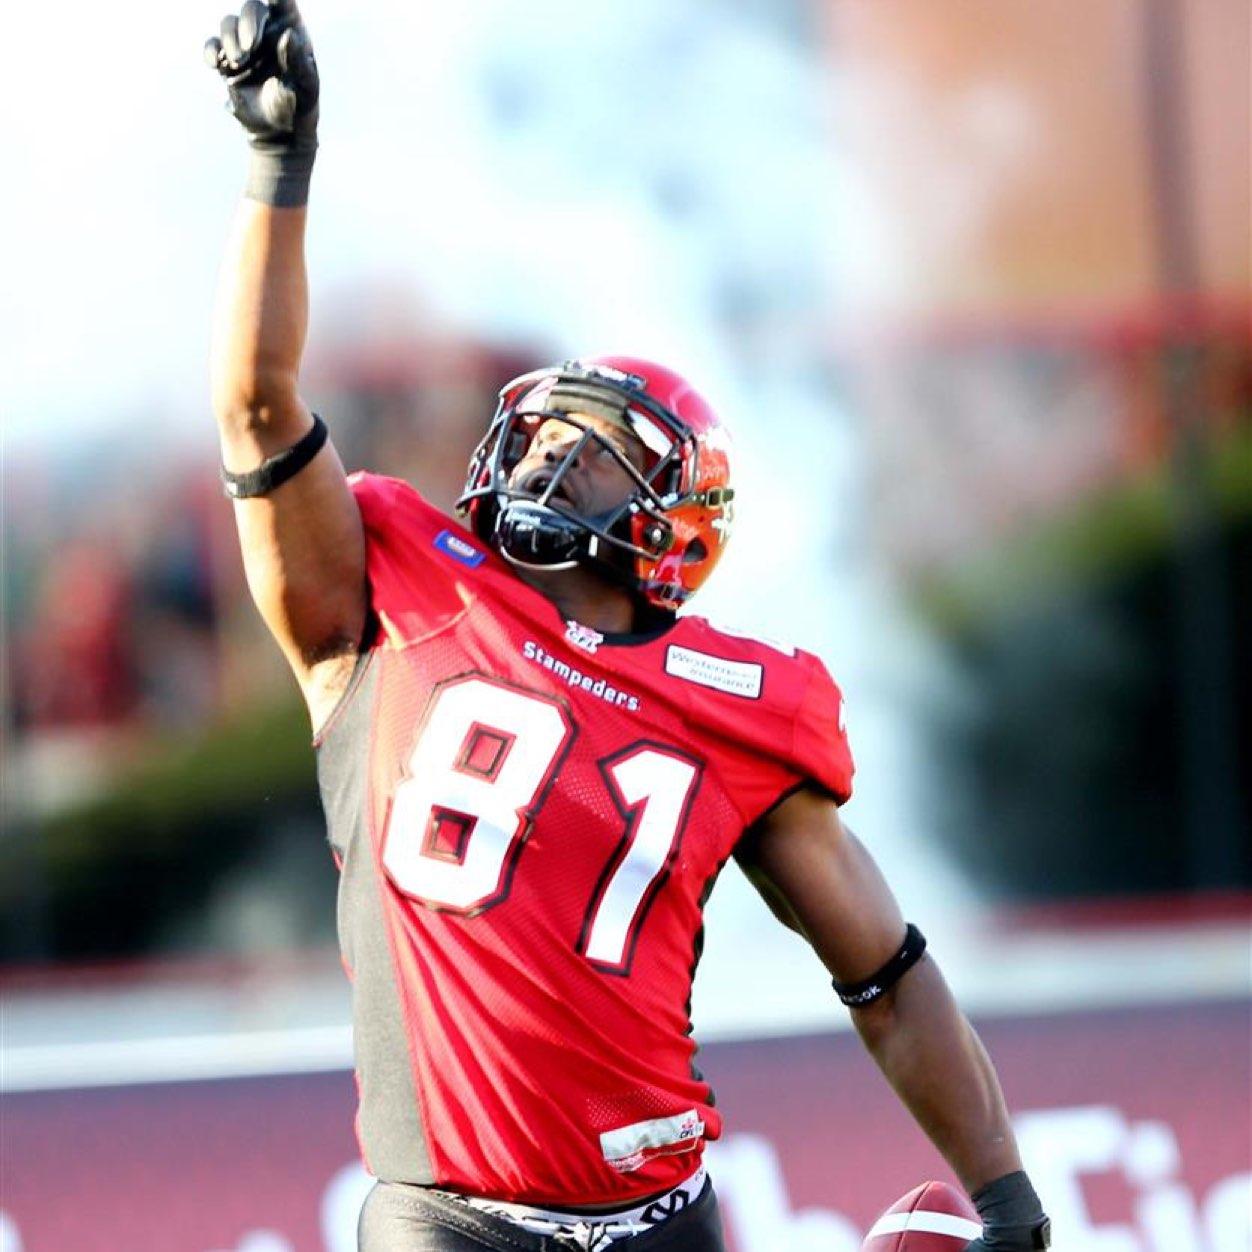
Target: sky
<point x="470" y="150"/>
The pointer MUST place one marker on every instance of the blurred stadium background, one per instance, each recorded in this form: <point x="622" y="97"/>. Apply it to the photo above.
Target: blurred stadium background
<point x="970" y="280"/>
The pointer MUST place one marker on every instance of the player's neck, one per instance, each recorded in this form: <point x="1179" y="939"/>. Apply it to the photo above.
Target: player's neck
<point x="581" y="596"/>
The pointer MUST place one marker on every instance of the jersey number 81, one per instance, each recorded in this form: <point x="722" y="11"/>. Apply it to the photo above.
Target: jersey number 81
<point x="476" y="780"/>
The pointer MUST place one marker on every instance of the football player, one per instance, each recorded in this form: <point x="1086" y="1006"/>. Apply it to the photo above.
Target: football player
<point x="533" y="770"/>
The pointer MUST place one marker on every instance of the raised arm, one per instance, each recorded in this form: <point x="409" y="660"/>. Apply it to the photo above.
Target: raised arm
<point x="301" y="535"/>
<point x="818" y="878"/>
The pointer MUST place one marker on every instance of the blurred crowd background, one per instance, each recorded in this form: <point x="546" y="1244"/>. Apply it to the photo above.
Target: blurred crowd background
<point x="971" y="282"/>
<point x="974" y="294"/>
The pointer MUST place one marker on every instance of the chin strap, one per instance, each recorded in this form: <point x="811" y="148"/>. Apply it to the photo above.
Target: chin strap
<point x="532" y="535"/>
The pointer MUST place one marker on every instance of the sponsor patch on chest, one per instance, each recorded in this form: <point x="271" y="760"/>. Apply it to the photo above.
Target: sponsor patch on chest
<point x="737" y="678"/>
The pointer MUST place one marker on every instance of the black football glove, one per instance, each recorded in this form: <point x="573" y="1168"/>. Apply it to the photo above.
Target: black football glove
<point x="1012" y="1217"/>
<point x="265" y="57"/>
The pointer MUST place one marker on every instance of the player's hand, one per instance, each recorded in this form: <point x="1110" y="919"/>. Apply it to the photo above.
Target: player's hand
<point x="265" y="57"/>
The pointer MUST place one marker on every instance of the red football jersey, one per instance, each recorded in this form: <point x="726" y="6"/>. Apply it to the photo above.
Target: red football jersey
<point x="529" y="816"/>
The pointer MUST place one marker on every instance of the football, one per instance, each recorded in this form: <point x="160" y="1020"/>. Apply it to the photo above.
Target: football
<point x="931" y="1218"/>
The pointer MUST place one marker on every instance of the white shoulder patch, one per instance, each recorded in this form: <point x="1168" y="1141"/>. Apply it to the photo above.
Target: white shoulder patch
<point x="738" y="678"/>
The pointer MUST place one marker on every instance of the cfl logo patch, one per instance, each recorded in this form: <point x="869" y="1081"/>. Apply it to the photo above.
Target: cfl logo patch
<point x="582" y="636"/>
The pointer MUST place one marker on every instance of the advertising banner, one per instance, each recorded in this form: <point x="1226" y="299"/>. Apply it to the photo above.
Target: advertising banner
<point x="1135" y="1125"/>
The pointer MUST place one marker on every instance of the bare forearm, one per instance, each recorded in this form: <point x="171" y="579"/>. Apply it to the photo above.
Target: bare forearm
<point x="937" y="1065"/>
<point x="260" y="324"/>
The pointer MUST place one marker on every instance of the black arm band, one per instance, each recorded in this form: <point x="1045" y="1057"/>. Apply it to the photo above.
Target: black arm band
<point x="277" y="469"/>
<point x="857" y="995"/>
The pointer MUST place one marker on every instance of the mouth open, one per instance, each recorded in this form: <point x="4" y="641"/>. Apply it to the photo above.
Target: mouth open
<point x="537" y="483"/>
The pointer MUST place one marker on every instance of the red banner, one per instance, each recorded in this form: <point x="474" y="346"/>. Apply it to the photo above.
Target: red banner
<point x="1136" y="1127"/>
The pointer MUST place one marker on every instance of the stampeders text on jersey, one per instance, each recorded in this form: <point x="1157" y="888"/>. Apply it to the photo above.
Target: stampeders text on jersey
<point x="574" y="677"/>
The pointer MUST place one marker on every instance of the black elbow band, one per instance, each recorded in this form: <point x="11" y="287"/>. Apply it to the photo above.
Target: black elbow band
<point x="276" y="470"/>
<point x="857" y="995"/>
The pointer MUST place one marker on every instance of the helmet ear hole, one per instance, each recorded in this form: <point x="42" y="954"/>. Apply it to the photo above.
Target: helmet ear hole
<point x="695" y="551"/>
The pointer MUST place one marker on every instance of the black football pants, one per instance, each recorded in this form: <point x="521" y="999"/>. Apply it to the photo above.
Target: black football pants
<point x="399" y="1218"/>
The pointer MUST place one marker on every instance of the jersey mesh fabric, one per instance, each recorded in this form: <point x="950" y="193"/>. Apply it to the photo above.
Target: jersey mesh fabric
<point x="542" y="822"/>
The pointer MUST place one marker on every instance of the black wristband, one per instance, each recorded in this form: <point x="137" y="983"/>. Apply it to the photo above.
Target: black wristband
<point x="1010" y="1208"/>
<point x="276" y="470"/>
<point x="856" y="995"/>
<point x="280" y="176"/>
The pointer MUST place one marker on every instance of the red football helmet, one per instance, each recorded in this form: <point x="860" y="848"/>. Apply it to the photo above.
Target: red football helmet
<point x="664" y="539"/>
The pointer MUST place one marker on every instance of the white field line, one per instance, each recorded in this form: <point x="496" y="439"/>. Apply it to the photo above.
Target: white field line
<point x="178" y="1059"/>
